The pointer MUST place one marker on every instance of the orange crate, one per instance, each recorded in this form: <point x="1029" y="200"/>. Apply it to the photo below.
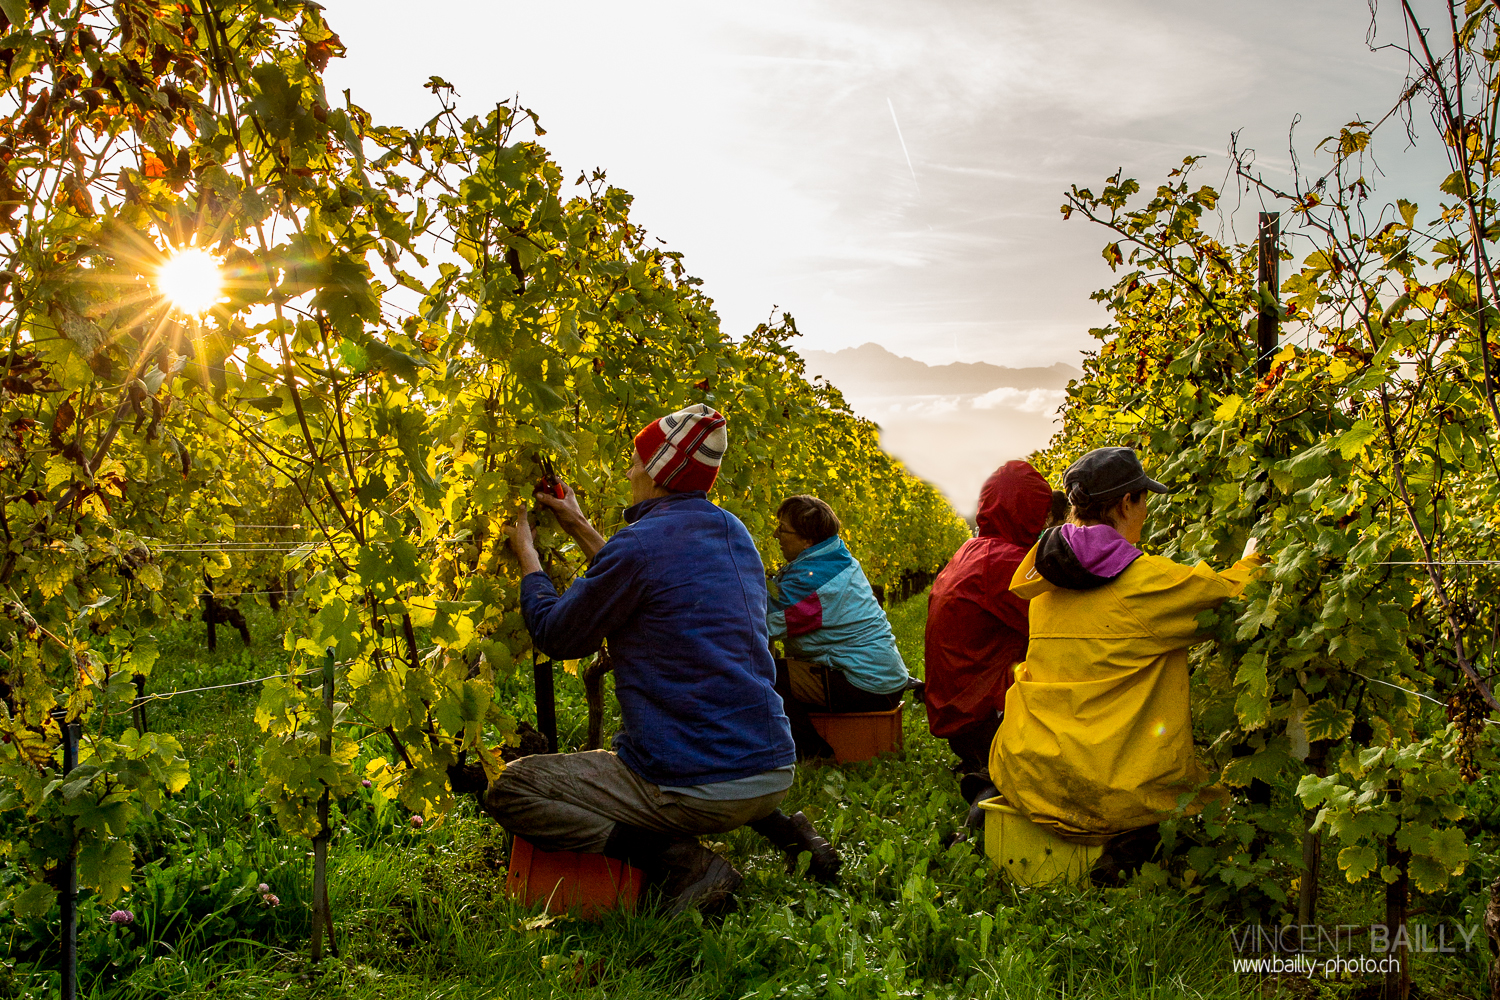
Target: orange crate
<point x="857" y="736"/>
<point x="589" y="884"/>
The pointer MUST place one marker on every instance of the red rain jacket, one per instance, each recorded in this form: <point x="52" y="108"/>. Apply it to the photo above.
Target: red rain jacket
<point x="976" y="628"/>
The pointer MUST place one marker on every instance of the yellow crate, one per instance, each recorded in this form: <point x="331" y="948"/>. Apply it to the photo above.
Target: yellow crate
<point x="1032" y="854"/>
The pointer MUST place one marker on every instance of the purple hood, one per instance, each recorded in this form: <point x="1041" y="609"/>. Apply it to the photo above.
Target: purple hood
<point x="1079" y="557"/>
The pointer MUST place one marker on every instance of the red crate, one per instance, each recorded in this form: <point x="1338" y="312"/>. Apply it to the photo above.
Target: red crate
<point x="589" y="884"/>
<point x="857" y="736"/>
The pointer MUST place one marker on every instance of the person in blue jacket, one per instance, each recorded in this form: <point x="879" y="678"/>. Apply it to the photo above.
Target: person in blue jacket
<point x="680" y="595"/>
<point x="840" y="653"/>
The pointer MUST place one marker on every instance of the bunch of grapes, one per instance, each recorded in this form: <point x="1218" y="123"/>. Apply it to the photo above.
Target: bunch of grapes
<point x="1466" y="710"/>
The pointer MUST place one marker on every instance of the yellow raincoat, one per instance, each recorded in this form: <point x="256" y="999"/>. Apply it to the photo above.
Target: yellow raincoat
<point x="1097" y="738"/>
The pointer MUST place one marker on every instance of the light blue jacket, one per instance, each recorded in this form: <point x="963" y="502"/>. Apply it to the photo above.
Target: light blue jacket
<point x="826" y="612"/>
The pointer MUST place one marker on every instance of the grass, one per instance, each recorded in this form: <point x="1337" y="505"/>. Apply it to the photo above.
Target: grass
<point x="423" y="914"/>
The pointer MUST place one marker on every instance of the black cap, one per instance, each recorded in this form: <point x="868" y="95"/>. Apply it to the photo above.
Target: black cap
<point x="1105" y="475"/>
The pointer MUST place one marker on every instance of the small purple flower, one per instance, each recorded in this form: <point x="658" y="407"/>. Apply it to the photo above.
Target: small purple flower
<point x="365" y="783"/>
<point x="121" y="917"/>
<point x="262" y="888"/>
<point x="270" y="899"/>
<point x="417" y="821"/>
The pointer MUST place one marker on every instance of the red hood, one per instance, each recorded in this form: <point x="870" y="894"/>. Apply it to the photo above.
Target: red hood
<point x="1014" y="504"/>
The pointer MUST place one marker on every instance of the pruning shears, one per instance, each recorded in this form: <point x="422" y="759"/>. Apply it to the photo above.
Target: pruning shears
<point x="549" y="483"/>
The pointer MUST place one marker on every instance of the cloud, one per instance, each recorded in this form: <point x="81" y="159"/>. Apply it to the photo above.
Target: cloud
<point x="1024" y="400"/>
<point x="910" y="407"/>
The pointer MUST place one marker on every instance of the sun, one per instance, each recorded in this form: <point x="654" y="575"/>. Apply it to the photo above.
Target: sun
<point x="191" y="280"/>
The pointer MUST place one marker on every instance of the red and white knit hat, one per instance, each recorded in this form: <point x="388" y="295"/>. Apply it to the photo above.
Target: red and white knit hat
<point x="682" y="450"/>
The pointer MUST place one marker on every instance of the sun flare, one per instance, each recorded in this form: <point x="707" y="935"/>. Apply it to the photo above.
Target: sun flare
<point x="191" y="280"/>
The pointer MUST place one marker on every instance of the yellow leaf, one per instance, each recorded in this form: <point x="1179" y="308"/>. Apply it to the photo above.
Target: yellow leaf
<point x="150" y="576"/>
<point x="59" y="472"/>
<point x="1229" y="408"/>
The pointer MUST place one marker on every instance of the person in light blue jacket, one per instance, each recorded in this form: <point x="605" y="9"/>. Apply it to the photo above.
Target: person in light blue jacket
<point x="840" y="653"/>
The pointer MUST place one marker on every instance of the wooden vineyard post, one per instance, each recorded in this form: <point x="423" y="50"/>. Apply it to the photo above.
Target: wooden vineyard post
<point x="322" y="917"/>
<point x="68" y="898"/>
<point x="593" y="690"/>
<point x="1312" y="852"/>
<point x="546" y="699"/>
<point x="1268" y="327"/>
<point x="1492" y="931"/>
<point x="1397" y="982"/>
<point x="138" y="707"/>
<point x="1312" y="845"/>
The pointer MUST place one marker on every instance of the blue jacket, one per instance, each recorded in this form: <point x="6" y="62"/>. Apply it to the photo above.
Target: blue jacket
<point x="827" y="613"/>
<point x="680" y="593"/>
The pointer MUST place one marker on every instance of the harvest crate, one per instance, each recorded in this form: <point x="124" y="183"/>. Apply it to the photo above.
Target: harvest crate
<point x="857" y="736"/>
<point x="1031" y="854"/>
<point x="588" y="884"/>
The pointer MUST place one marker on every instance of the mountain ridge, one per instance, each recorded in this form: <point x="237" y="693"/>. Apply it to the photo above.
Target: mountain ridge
<point x="871" y="370"/>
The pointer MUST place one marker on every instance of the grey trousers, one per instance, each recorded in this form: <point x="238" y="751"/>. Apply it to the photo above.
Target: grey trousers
<point x="571" y="802"/>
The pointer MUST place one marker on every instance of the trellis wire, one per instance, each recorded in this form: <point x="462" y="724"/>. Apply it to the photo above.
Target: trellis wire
<point x="220" y="687"/>
<point x="247" y="593"/>
<point x="1398" y="687"/>
<point x="305" y="675"/>
<point x="1404" y="690"/>
<point x="231" y="548"/>
<point x="1441" y="562"/>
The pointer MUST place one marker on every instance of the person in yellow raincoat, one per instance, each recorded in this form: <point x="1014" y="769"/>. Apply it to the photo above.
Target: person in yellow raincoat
<point x="1096" y="740"/>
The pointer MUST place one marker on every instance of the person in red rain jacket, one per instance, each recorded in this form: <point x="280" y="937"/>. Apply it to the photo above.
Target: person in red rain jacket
<point x="976" y="628"/>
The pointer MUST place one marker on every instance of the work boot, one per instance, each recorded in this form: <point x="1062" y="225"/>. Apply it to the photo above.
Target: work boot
<point x="1123" y="856"/>
<point x="693" y="877"/>
<point x="795" y="834"/>
<point x="684" y="872"/>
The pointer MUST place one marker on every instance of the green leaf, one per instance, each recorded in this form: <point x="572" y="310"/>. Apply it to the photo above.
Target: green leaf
<point x="16" y="11"/>
<point x="374" y="490"/>
<point x="1450" y="849"/>
<point x="384" y="701"/>
<point x="143" y="656"/>
<point x="1357" y="862"/>
<point x="1325" y="720"/>
<point x="1313" y="789"/>
<point x="1265" y="764"/>
<point x="356" y="358"/>
<point x="1356" y="439"/>
<point x="277" y="697"/>
<point x="1427" y="874"/>
<point x="336" y="624"/>
<point x="34" y="901"/>
<point x="1310" y="463"/>
<point x="463" y="709"/>
<point x="106" y="866"/>
<point x="397" y="363"/>
<point x="78" y="781"/>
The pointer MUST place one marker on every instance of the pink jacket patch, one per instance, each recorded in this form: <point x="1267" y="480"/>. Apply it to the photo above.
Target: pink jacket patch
<point x="805" y="616"/>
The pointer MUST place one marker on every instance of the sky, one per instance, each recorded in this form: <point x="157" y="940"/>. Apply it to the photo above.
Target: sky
<point x="892" y="171"/>
<point x="759" y="139"/>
